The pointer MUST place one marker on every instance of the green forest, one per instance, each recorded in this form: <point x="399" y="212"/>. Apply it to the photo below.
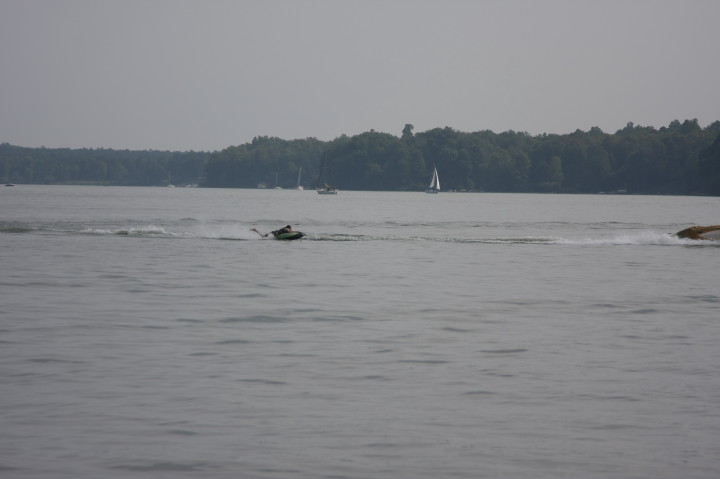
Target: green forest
<point x="57" y="166"/>
<point x="682" y="158"/>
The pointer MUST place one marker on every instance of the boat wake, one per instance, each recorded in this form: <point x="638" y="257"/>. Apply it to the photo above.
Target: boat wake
<point x="131" y="231"/>
<point x="637" y="239"/>
<point x="225" y="232"/>
<point x="234" y="232"/>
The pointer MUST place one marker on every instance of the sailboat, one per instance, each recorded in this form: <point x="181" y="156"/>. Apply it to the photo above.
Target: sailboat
<point x="323" y="187"/>
<point x="434" y="183"/>
<point x="299" y="186"/>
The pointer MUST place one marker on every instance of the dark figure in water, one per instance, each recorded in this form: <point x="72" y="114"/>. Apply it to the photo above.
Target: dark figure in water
<point x="284" y="229"/>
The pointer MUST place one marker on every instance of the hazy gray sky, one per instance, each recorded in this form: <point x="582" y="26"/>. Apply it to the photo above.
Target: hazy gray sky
<point x="207" y="74"/>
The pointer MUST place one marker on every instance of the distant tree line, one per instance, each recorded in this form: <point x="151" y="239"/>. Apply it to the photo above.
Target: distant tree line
<point x="682" y="158"/>
<point x="99" y="166"/>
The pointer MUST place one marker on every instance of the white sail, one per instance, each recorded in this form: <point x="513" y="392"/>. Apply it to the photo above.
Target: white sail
<point x="434" y="183"/>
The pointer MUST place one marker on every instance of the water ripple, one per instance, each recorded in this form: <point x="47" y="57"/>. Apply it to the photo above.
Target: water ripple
<point x="165" y="467"/>
<point x="260" y="318"/>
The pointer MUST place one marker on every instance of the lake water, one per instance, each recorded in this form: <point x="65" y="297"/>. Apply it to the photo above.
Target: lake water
<point x="148" y="333"/>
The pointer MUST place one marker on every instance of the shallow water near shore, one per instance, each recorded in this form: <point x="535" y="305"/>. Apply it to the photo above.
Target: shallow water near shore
<point x="148" y="332"/>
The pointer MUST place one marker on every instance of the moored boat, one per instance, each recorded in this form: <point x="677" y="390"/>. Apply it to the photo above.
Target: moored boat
<point x="324" y="188"/>
<point x="327" y="190"/>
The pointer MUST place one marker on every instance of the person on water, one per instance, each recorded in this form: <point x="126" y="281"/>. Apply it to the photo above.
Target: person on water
<point x="285" y="229"/>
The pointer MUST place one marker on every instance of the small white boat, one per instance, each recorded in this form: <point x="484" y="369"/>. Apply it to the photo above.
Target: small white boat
<point x="434" y="183"/>
<point x="323" y="187"/>
<point x="299" y="186"/>
<point x="327" y="190"/>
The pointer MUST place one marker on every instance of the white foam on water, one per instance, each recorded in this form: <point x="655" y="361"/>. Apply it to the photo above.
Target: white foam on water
<point x="642" y="238"/>
<point x="202" y="231"/>
<point x="226" y="232"/>
<point x="149" y="230"/>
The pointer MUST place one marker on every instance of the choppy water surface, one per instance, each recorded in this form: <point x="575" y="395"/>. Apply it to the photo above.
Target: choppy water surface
<point x="147" y="332"/>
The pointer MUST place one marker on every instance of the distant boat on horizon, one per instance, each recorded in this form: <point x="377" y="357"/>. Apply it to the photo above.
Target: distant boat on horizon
<point x="323" y="187"/>
<point x="299" y="186"/>
<point x="434" y="183"/>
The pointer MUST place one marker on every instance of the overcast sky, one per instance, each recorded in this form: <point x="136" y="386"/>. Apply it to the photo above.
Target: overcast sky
<point x="207" y="74"/>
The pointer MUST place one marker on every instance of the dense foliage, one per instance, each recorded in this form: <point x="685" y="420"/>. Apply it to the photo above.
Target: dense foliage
<point x="99" y="166"/>
<point x="682" y="158"/>
<point x="678" y="159"/>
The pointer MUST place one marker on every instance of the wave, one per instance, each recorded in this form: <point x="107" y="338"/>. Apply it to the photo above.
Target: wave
<point x="164" y="467"/>
<point x="16" y="229"/>
<point x="643" y="238"/>
<point x="189" y="228"/>
<point x="131" y="231"/>
<point x="201" y="232"/>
